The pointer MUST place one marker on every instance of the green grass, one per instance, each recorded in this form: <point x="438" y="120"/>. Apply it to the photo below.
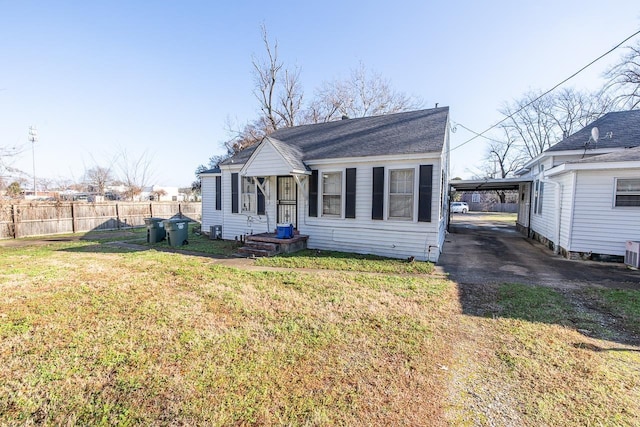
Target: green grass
<point x="91" y="336"/>
<point x="331" y="260"/>
<point x="151" y="337"/>
<point x="532" y="303"/>
<point x="197" y="242"/>
<point x="623" y="303"/>
<point x="554" y="373"/>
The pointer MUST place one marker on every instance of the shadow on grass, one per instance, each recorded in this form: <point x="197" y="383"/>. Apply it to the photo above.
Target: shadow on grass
<point x="592" y="312"/>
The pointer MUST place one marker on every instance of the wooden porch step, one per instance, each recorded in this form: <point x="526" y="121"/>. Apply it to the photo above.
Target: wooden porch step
<point x="271" y="247"/>
<point x="254" y="252"/>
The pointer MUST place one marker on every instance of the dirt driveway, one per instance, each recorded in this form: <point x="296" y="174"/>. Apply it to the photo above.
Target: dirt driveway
<point x="482" y="249"/>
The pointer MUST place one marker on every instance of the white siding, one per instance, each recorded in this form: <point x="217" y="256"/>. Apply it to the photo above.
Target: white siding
<point x="598" y="226"/>
<point x="566" y="182"/>
<point x="210" y="216"/>
<point x="398" y="239"/>
<point x="524" y="204"/>
<point x="236" y="225"/>
<point x="267" y="161"/>
<point x="544" y="223"/>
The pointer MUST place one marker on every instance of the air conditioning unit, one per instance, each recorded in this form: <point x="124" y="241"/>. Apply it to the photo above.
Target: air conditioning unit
<point x="632" y="254"/>
<point x="216" y="232"/>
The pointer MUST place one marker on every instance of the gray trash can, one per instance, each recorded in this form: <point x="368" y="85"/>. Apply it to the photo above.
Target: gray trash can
<point x="155" y="230"/>
<point x="177" y="231"/>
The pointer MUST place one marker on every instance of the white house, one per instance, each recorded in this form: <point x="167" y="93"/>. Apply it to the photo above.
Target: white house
<point x="375" y="185"/>
<point x="584" y="198"/>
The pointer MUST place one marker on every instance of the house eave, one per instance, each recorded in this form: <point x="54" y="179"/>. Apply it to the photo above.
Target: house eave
<point x="373" y="159"/>
<point x="566" y="167"/>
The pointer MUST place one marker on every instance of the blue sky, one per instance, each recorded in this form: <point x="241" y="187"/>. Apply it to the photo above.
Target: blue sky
<point x="165" y="76"/>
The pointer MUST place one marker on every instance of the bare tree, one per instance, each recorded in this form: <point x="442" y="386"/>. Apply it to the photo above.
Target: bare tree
<point x="98" y="177"/>
<point x="135" y="172"/>
<point x="280" y="96"/>
<point x="531" y="119"/>
<point x="7" y="156"/>
<point x="504" y="156"/>
<point x="362" y="94"/>
<point x="572" y="109"/>
<point x="538" y="122"/>
<point x="624" y="80"/>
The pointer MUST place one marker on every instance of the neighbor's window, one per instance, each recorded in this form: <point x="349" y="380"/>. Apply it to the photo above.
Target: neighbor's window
<point x="248" y="194"/>
<point x="628" y="192"/>
<point x="332" y="193"/>
<point x="401" y="194"/>
<point x="537" y="197"/>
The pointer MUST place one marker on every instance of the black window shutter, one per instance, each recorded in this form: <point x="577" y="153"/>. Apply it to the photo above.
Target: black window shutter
<point x="234" y="193"/>
<point x="350" y="202"/>
<point x="425" y="193"/>
<point x="313" y="193"/>
<point x="377" y="205"/>
<point x="260" y="197"/>
<point x="218" y="193"/>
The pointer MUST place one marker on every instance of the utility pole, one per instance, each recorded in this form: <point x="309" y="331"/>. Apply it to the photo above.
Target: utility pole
<point x="33" y="137"/>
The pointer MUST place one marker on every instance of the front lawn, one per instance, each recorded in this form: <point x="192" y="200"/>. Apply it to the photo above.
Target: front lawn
<point x="150" y="337"/>
<point x="332" y="260"/>
<point x="92" y="334"/>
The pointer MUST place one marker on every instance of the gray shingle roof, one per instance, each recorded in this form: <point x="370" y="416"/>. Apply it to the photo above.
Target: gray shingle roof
<point x="627" y="155"/>
<point x="214" y="170"/>
<point x="413" y="132"/>
<point x="623" y="126"/>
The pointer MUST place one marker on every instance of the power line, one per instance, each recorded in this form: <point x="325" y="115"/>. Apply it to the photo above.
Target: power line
<point x="545" y="93"/>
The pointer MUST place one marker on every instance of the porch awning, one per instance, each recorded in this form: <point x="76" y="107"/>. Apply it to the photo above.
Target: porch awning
<point x="274" y="158"/>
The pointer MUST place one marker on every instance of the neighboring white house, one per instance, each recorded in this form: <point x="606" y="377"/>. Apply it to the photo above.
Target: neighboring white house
<point x="162" y="194"/>
<point x="375" y="185"/>
<point x="584" y="198"/>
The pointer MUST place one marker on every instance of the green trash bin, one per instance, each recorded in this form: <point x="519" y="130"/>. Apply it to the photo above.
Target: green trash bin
<point x="177" y="231"/>
<point x="155" y="230"/>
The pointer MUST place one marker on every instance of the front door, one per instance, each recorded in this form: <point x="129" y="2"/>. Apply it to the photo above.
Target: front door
<point x="287" y="200"/>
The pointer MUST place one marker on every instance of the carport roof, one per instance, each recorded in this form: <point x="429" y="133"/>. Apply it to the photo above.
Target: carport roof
<point x="487" y="184"/>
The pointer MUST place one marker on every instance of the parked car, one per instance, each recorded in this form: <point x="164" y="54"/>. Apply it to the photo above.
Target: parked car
<point x="459" y="207"/>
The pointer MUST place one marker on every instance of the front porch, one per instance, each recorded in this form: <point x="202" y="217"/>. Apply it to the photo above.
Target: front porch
<point x="268" y="244"/>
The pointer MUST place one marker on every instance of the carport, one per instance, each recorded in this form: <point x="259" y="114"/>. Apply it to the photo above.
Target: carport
<point x="522" y="185"/>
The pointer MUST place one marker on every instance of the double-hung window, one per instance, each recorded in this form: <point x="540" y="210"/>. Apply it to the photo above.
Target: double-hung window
<point x="332" y="193"/>
<point x="627" y="192"/>
<point x="248" y="195"/>
<point x="401" y="183"/>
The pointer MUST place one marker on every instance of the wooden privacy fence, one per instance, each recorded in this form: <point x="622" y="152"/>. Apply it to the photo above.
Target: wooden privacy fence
<point x="36" y="219"/>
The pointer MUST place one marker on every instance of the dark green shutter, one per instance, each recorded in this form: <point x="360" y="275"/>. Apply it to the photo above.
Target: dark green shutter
<point x="234" y="193"/>
<point x="260" y="197"/>
<point x="425" y="193"/>
<point x="313" y="193"/>
<point x="350" y="202"/>
<point x="218" y="193"/>
<point x="377" y="204"/>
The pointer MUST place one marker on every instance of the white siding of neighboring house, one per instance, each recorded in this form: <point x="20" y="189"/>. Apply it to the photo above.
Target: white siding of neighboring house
<point x="598" y="226"/>
<point x="240" y="224"/>
<point x="566" y="182"/>
<point x="267" y="161"/>
<point x="398" y="239"/>
<point x="543" y="223"/>
<point x="210" y="216"/>
<point x="524" y="204"/>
